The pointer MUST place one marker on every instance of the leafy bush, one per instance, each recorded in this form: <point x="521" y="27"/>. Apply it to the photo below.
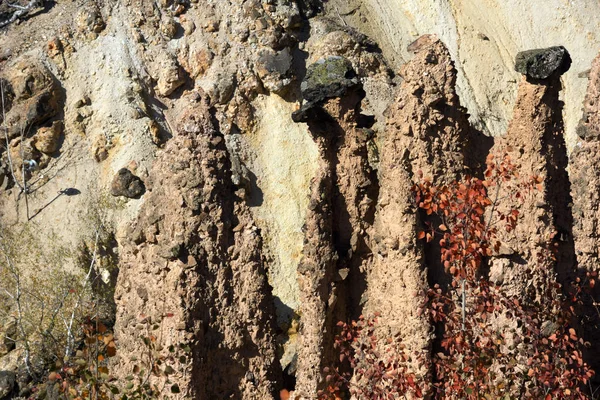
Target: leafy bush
<point x="489" y="345"/>
<point x="87" y="373"/>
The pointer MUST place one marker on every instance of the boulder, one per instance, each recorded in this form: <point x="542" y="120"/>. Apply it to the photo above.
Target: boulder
<point x="89" y="22"/>
<point x="221" y="86"/>
<point x="126" y="184"/>
<point x="99" y="147"/>
<point x="170" y="77"/>
<point x="327" y="78"/>
<point x="543" y="63"/>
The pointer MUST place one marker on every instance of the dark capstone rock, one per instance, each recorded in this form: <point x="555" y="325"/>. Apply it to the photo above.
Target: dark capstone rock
<point x="326" y="79"/>
<point x="8" y="381"/>
<point x="127" y="185"/>
<point x="543" y="63"/>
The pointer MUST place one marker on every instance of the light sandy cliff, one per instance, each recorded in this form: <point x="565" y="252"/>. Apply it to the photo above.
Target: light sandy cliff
<point x="483" y="38"/>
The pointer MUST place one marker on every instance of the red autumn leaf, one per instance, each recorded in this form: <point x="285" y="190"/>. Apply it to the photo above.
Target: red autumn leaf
<point x="111" y="349"/>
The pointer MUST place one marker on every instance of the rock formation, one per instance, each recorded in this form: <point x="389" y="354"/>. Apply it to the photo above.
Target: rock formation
<point x="253" y="163"/>
<point x="584" y="173"/>
<point x="192" y="263"/>
<point x="535" y="144"/>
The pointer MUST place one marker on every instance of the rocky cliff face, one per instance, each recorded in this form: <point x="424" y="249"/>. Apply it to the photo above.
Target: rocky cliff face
<point x="254" y="161"/>
<point x="192" y="263"/>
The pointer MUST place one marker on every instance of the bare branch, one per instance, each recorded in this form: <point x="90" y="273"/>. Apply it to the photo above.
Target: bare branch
<point x="20" y="317"/>
<point x="70" y="336"/>
<point x="21" y="11"/>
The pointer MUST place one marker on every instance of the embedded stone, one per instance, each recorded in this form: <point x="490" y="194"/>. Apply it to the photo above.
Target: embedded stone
<point x="47" y="139"/>
<point x="126" y="184"/>
<point x="170" y="78"/>
<point x="274" y="69"/>
<point x="34" y="94"/>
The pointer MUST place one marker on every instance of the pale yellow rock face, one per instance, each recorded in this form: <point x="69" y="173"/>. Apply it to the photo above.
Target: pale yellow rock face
<point x="284" y="161"/>
<point x="483" y="37"/>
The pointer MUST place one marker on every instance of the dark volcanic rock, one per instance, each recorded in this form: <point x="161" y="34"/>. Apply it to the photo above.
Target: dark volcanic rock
<point x="543" y="63"/>
<point x="127" y="184"/>
<point x="328" y="78"/>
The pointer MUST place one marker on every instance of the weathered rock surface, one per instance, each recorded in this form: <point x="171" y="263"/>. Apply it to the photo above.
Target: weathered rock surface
<point x="34" y="93"/>
<point x="427" y="117"/>
<point x="239" y="198"/>
<point x="47" y="139"/>
<point x="192" y="262"/>
<point x="543" y="63"/>
<point x="341" y="208"/>
<point x="428" y="131"/>
<point x="340" y="213"/>
<point x="535" y="145"/>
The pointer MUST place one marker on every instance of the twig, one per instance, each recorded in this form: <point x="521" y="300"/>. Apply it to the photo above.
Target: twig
<point x="25" y="189"/>
<point x="70" y="336"/>
<point x="464" y="301"/>
<point x="340" y="16"/>
<point x="20" y="11"/>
